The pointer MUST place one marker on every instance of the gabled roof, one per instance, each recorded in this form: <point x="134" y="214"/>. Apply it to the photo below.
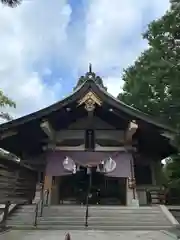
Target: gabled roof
<point x="88" y="85"/>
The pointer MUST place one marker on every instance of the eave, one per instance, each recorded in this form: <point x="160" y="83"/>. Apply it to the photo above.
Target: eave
<point x="76" y="96"/>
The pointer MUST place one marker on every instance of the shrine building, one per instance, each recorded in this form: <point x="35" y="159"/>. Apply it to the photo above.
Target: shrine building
<point x="91" y="142"/>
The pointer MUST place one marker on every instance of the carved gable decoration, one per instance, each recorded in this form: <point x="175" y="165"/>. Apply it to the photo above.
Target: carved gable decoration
<point x="90" y="100"/>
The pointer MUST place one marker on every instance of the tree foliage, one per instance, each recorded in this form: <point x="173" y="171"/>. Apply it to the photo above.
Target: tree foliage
<point x="4" y="102"/>
<point x="152" y="84"/>
<point x="11" y="3"/>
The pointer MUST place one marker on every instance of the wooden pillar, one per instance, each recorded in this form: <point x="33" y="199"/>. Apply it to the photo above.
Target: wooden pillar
<point x="158" y="173"/>
<point x="55" y="191"/>
<point x="48" y="186"/>
<point x="133" y="177"/>
<point x="153" y="173"/>
<point x="132" y="198"/>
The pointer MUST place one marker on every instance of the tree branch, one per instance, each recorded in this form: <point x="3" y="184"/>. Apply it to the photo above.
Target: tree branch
<point x="11" y="3"/>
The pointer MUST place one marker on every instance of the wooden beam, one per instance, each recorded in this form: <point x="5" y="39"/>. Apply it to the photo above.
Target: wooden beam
<point x="8" y="134"/>
<point x="97" y="148"/>
<point x="34" y="162"/>
<point x="49" y="131"/>
<point x="99" y="124"/>
<point x="62" y="135"/>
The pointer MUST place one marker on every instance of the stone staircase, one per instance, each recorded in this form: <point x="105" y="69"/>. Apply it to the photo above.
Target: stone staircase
<point x="63" y="217"/>
<point x="100" y="218"/>
<point x="128" y="218"/>
<point x="22" y="217"/>
<point x="175" y="211"/>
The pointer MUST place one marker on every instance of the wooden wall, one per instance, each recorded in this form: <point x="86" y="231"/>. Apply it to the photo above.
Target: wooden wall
<point x="17" y="182"/>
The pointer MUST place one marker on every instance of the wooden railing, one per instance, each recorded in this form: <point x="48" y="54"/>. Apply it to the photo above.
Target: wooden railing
<point x="5" y="214"/>
<point x="40" y="206"/>
<point x="87" y="200"/>
<point x="36" y="213"/>
<point x="155" y="197"/>
<point x="87" y="212"/>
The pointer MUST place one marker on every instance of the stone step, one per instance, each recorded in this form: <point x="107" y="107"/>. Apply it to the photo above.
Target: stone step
<point x="25" y="211"/>
<point x="128" y="221"/>
<point x="19" y="211"/>
<point x="63" y="215"/>
<point x="24" y="215"/>
<point x="63" y="223"/>
<point x="96" y="219"/>
<point x="153" y="217"/>
<point x="20" y="218"/>
<point x="100" y="218"/>
<point x="125" y="211"/>
<point x="100" y="228"/>
<point x="99" y="213"/>
<point x="26" y="207"/>
<point x="103" y="210"/>
<point x="104" y="223"/>
<point x="12" y="223"/>
<point x="99" y="207"/>
<point x="124" y="216"/>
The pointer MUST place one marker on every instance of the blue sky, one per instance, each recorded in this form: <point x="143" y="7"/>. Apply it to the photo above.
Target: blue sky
<point x="45" y="46"/>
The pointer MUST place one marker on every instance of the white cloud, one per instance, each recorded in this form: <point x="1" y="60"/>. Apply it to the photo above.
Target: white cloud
<point x="113" y="36"/>
<point x="33" y="32"/>
<point x="36" y="32"/>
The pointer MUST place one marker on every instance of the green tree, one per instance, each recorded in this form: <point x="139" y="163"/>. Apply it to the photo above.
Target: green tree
<point x="152" y="84"/>
<point x="5" y="102"/>
<point x="172" y="173"/>
<point x="11" y="3"/>
<point x="145" y="85"/>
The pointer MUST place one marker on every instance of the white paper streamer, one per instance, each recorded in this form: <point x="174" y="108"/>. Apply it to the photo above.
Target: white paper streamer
<point x="109" y="165"/>
<point x="69" y="164"/>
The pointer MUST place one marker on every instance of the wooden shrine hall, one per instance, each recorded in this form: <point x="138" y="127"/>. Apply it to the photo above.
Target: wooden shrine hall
<point x="90" y="142"/>
<point x="17" y="180"/>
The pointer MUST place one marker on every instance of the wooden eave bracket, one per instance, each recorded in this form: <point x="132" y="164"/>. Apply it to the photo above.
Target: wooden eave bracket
<point x="47" y="128"/>
<point x="168" y="135"/>
<point x="133" y="126"/>
<point x="171" y="138"/>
